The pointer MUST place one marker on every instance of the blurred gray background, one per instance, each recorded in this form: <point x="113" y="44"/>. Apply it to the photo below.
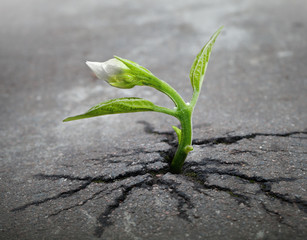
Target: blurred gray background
<point x="255" y="83"/>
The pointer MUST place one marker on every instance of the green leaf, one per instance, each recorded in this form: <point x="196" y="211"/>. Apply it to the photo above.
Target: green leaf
<point x="133" y="65"/>
<point x="114" y="106"/>
<point x="143" y="76"/>
<point x="178" y="131"/>
<point x="200" y="63"/>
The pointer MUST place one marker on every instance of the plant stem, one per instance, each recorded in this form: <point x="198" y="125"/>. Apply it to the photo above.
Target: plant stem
<point x="194" y="98"/>
<point x="165" y="110"/>
<point x="183" y="113"/>
<point x="164" y="87"/>
<point x="185" y="118"/>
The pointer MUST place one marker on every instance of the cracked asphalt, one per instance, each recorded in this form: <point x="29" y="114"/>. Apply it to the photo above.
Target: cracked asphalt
<point x="108" y="177"/>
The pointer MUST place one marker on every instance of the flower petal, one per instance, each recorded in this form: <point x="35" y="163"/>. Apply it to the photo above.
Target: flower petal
<point x="98" y="69"/>
<point x="114" y="67"/>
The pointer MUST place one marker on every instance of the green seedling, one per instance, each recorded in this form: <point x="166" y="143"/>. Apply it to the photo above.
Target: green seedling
<point x="123" y="73"/>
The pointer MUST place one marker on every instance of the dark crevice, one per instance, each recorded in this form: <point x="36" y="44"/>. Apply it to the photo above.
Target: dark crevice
<point x="104" y="218"/>
<point x="77" y="205"/>
<point x="88" y="180"/>
<point x="166" y="156"/>
<point x="235" y="139"/>
<point x="220" y="162"/>
<point x="200" y="182"/>
<point x="278" y="216"/>
<point x="237" y="151"/>
<point x="301" y="204"/>
<point x="60" y="195"/>
<point x="233" y="172"/>
<point x="183" y="201"/>
<point x="212" y="161"/>
<point x="93" y="196"/>
<point x="182" y="198"/>
<point x="240" y="198"/>
<point x="108" y="158"/>
<point x="130" y="152"/>
<point x="149" y="128"/>
<point x="198" y="177"/>
<point x="103" y="179"/>
<point x="260" y="151"/>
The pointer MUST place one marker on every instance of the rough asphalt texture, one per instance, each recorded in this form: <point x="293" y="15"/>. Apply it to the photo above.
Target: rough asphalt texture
<point x="108" y="178"/>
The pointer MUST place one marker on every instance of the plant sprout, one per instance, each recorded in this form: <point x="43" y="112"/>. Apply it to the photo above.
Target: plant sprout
<point x="123" y="73"/>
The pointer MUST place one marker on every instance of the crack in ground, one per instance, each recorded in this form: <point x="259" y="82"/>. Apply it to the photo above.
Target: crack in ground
<point x="76" y="205"/>
<point x="236" y="138"/>
<point x="237" y="151"/>
<point x="104" y="218"/>
<point x="232" y="172"/>
<point x="265" y="184"/>
<point x="260" y="151"/>
<point x="180" y="196"/>
<point x="278" y="216"/>
<point x="132" y="152"/>
<point x="283" y="197"/>
<point x="196" y="177"/>
<point x="88" y="180"/>
<point x="201" y="182"/>
<point x="208" y="161"/>
<point x="60" y="195"/>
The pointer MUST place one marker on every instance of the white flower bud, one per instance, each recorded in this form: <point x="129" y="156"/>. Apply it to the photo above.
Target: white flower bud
<point x="114" y="72"/>
<point x="105" y="70"/>
<point x="123" y="73"/>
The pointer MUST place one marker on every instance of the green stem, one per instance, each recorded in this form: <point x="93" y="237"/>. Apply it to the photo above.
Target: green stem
<point x="185" y="145"/>
<point x="165" y="110"/>
<point x="183" y="112"/>
<point x="164" y="87"/>
<point x="194" y="98"/>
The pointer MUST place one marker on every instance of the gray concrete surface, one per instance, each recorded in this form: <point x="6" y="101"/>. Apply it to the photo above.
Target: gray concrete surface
<point x="108" y="177"/>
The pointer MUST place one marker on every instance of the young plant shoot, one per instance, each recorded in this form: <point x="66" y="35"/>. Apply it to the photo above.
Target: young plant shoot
<point x="123" y="73"/>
